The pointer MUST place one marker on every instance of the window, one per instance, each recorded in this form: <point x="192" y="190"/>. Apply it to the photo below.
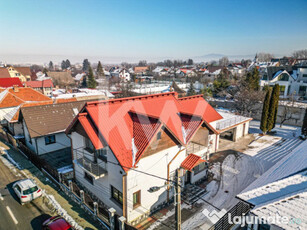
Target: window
<point x="283" y="77"/>
<point x="89" y="146"/>
<point x="102" y="154"/>
<point x="18" y="188"/>
<point x="88" y="177"/>
<point x="305" y="75"/>
<point x="17" y="74"/>
<point x="199" y="168"/>
<point x="282" y="89"/>
<point x="159" y="136"/>
<point x="137" y="199"/>
<point x="117" y="195"/>
<point x="49" y="139"/>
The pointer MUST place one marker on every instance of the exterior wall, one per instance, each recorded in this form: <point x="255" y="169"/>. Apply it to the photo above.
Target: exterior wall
<point x="198" y="176"/>
<point x="101" y="187"/>
<point x="15" y="128"/>
<point x="154" y="164"/>
<point x="15" y="73"/>
<point x="30" y="142"/>
<point x="61" y="142"/>
<point x="239" y="130"/>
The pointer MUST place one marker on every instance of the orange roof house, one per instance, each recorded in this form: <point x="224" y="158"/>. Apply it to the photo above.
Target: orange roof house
<point x="116" y="122"/>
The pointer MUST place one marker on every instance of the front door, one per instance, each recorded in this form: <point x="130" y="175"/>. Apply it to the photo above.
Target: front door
<point x="188" y="177"/>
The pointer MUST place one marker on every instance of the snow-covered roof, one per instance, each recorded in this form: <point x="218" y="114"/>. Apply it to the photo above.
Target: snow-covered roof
<point x="9" y="116"/>
<point x="282" y="190"/>
<point x="79" y="76"/>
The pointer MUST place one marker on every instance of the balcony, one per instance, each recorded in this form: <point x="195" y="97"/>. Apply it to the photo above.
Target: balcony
<point x="195" y="148"/>
<point x="86" y="161"/>
<point x="229" y="122"/>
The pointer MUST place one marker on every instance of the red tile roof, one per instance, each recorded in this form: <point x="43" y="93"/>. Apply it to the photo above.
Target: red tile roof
<point x="4" y="73"/>
<point x="26" y="71"/>
<point x="9" y="82"/>
<point x="120" y="121"/>
<point x="40" y="84"/>
<point x="191" y="161"/>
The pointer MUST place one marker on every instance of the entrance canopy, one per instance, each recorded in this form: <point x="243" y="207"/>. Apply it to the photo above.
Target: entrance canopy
<point x="191" y="161"/>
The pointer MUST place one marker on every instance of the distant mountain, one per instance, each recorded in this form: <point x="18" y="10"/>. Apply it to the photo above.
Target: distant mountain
<point x="216" y="57"/>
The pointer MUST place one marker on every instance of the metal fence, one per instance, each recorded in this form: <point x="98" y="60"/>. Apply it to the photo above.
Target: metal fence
<point x="229" y="122"/>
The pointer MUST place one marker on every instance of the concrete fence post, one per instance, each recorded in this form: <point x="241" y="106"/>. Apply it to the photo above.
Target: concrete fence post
<point x="121" y="221"/>
<point x="111" y="218"/>
<point x="96" y="208"/>
<point x="70" y="185"/>
<point x="82" y="196"/>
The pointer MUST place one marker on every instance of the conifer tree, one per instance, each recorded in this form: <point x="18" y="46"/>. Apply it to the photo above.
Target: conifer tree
<point x="84" y="82"/>
<point x="265" y="112"/>
<point x="91" y="79"/>
<point x="191" y="90"/>
<point x="304" y="127"/>
<point x="273" y="107"/>
<point x="51" y="65"/>
<point x="100" y="71"/>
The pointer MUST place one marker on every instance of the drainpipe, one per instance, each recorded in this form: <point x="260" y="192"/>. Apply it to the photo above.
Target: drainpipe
<point x="168" y="166"/>
<point x="72" y="155"/>
<point x="125" y="195"/>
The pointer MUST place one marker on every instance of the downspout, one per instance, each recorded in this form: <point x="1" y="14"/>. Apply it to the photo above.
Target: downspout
<point x="36" y="145"/>
<point x="125" y="196"/>
<point x="168" y="166"/>
<point x="72" y="155"/>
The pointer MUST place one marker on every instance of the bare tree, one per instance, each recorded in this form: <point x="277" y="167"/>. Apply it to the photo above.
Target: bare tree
<point x="300" y="54"/>
<point x="247" y="101"/>
<point x="224" y="61"/>
<point x="288" y="110"/>
<point x="265" y="57"/>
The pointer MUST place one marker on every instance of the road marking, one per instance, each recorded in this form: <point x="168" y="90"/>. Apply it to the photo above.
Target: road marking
<point x="1" y="198"/>
<point x="11" y="214"/>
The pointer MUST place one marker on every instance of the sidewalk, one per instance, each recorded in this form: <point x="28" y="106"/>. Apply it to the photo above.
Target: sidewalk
<point x="24" y="166"/>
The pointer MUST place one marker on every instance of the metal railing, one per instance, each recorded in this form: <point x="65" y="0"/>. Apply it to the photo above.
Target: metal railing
<point x="229" y="122"/>
<point x="194" y="147"/>
<point x="82" y="158"/>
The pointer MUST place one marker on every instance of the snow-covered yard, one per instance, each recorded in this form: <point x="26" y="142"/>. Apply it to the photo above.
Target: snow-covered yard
<point x="238" y="170"/>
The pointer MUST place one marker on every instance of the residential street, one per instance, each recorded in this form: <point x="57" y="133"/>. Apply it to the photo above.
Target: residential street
<point x="13" y="214"/>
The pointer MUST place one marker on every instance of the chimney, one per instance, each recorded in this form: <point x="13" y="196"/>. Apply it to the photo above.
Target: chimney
<point x="15" y="88"/>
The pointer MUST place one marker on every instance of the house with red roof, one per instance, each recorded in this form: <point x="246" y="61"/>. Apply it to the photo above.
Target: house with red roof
<point x="10" y="82"/>
<point x="119" y="144"/>
<point x="44" y="86"/>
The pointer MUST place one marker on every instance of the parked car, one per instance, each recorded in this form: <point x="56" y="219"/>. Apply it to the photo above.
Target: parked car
<point x="26" y="190"/>
<point x="56" y="223"/>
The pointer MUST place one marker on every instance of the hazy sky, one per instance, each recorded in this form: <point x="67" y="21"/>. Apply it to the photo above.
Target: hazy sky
<point x="151" y="28"/>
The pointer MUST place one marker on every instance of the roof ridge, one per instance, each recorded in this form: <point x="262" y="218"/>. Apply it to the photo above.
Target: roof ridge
<point x="191" y="97"/>
<point x="119" y="100"/>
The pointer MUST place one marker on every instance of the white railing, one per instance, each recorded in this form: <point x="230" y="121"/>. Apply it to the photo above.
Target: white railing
<point x="229" y="122"/>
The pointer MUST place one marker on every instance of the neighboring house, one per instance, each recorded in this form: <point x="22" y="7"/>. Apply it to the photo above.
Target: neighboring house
<point x="79" y="78"/>
<point x="61" y="79"/>
<point x="44" y="126"/>
<point x="186" y="73"/>
<point x="23" y="73"/>
<point x="281" y="193"/>
<point x="212" y="72"/>
<point x="10" y="82"/>
<point x="44" y="86"/>
<point x="140" y="69"/>
<point x="11" y="98"/>
<point x="117" y="142"/>
<point x="236" y="69"/>
<point x="124" y="75"/>
<point x="291" y="79"/>
<point x="161" y="71"/>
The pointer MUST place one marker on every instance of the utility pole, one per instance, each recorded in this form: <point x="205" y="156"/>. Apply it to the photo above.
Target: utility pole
<point x="178" y="200"/>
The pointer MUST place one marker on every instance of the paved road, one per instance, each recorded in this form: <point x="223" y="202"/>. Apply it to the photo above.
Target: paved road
<point x="12" y="214"/>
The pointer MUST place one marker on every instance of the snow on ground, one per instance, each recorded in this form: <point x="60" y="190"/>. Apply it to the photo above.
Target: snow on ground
<point x="238" y="170"/>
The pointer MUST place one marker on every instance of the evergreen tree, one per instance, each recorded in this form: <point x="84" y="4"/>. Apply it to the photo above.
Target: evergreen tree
<point x="91" y="79"/>
<point x="222" y="82"/>
<point x="84" y="82"/>
<point x="99" y="70"/>
<point x="304" y="127"/>
<point x="51" y="65"/>
<point x="67" y="62"/>
<point x="86" y="65"/>
<point x="273" y="107"/>
<point x="265" y="112"/>
<point x="191" y="90"/>
<point x="63" y="65"/>
<point x="45" y="71"/>
<point x="253" y="79"/>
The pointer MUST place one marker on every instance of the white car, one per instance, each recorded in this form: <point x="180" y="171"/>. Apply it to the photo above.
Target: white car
<point x="26" y="190"/>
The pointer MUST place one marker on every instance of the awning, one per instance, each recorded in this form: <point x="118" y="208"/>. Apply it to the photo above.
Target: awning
<point x="191" y="161"/>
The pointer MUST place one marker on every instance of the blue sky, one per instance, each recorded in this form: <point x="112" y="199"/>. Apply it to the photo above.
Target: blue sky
<point x="156" y="28"/>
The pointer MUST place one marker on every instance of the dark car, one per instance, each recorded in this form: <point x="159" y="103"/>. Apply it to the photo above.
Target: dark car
<point x="56" y="223"/>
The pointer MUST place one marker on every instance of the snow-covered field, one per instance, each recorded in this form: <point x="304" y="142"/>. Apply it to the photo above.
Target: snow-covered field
<point x="238" y="170"/>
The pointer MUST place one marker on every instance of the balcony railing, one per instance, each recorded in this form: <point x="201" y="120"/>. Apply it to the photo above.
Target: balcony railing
<point x="223" y="124"/>
<point x="83" y="159"/>
<point x="194" y="147"/>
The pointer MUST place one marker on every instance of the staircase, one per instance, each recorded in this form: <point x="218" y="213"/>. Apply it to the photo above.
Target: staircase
<point x="193" y="193"/>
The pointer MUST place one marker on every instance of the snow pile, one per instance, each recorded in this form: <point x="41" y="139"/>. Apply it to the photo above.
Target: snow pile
<point x="62" y="212"/>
